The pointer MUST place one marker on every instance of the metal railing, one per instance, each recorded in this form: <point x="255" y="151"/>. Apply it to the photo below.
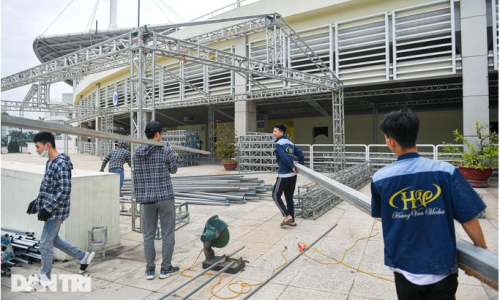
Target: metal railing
<point x="319" y="157"/>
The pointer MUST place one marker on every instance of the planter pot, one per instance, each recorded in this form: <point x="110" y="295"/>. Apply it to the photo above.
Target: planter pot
<point x="476" y="177"/>
<point x="230" y="166"/>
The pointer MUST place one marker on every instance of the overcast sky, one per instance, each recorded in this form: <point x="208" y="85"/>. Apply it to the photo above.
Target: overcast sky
<point x="23" y="20"/>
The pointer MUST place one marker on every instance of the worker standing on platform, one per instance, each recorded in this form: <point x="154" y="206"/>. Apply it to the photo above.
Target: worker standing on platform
<point x="153" y="189"/>
<point x="287" y="174"/>
<point x="417" y="199"/>
<point x="117" y="159"/>
<point x="52" y="206"/>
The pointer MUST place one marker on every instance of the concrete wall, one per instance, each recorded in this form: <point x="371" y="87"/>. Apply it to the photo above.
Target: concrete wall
<point x="435" y="127"/>
<point x="93" y="203"/>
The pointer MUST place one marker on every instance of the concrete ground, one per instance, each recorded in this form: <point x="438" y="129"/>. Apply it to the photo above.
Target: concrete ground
<point x="255" y="225"/>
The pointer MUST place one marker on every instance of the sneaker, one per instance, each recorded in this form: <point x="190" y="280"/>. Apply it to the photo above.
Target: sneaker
<point x="150" y="274"/>
<point x="86" y="260"/>
<point x="35" y="283"/>
<point x="170" y="271"/>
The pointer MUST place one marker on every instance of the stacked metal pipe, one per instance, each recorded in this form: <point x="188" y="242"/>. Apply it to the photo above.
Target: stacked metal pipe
<point x="213" y="189"/>
<point x="25" y="246"/>
<point x="313" y="201"/>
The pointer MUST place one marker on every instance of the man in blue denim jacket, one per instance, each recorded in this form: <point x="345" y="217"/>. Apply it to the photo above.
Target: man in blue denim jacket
<point x="287" y="174"/>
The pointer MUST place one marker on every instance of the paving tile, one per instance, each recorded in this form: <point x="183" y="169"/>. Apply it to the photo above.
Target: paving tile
<point x="332" y="278"/>
<point x="125" y="246"/>
<point x="238" y="232"/>
<point x="344" y="231"/>
<point x="135" y="254"/>
<point x="245" y="223"/>
<point x="270" y="291"/>
<point x="137" y="279"/>
<point x="371" y="287"/>
<point x="132" y="235"/>
<point x="117" y="291"/>
<point x="491" y="292"/>
<point x="204" y="292"/>
<point x="302" y="293"/>
<point x="262" y="216"/>
<point x="335" y="247"/>
<point x="263" y="268"/>
<point x="66" y="293"/>
<point x="471" y="292"/>
<point x="263" y="236"/>
<point x="466" y="279"/>
<point x="156" y="296"/>
<point x="7" y="294"/>
<point x="110" y="269"/>
<point x="373" y="259"/>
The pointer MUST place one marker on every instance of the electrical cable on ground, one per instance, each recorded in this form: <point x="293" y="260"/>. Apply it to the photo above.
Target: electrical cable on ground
<point x="245" y="287"/>
<point x="303" y="245"/>
<point x="56" y="18"/>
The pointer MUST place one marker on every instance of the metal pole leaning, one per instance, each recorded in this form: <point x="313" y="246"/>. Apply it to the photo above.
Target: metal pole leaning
<point x="208" y="280"/>
<point x="475" y="260"/>
<point x="287" y="264"/>
<point x="200" y="274"/>
<point x="58" y="128"/>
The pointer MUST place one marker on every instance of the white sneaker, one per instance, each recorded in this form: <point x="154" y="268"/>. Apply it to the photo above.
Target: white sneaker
<point x="35" y="283"/>
<point x="85" y="261"/>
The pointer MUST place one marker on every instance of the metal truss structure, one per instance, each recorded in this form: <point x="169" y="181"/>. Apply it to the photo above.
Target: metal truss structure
<point x="139" y="48"/>
<point x="185" y="138"/>
<point x="106" y="125"/>
<point x="256" y="152"/>
<point x="313" y="200"/>
<point x="211" y="132"/>
<point x="38" y="93"/>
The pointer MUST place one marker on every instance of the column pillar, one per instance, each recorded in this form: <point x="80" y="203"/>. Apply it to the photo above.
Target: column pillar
<point x="474" y="65"/>
<point x="245" y="112"/>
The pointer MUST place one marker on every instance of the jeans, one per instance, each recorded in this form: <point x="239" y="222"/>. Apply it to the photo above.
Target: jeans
<point x="50" y="239"/>
<point x="149" y="219"/>
<point x="122" y="175"/>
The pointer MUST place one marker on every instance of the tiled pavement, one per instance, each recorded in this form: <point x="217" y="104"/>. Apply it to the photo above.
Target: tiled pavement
<point x="255" y="225"/>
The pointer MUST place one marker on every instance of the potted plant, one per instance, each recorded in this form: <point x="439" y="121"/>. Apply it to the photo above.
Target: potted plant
<point x="476" y="161"/>
<point x="225" y="146"/>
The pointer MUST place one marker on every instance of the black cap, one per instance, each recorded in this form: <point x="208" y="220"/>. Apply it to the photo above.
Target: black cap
<point x="153" y="126"/>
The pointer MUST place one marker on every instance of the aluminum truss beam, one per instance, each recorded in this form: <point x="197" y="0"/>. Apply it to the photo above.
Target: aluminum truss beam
<point x="58" y="128"/>
<point x="211" y="132"/>
<point x="338" y="130"/>
<point x="482" y="263"/>
<point x="107" y="55"/>
<point x="115" y="53"/>
<point x="175" y="48"/>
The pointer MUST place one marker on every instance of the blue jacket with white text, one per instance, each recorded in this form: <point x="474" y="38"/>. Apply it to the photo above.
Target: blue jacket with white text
<point x="285" y="151"/>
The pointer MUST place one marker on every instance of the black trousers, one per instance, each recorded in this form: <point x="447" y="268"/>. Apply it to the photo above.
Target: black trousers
<point x="441" y="290"/>
<point x="285" y="185"/>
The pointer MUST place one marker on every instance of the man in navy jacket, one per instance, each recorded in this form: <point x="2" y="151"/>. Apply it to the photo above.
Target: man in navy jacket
<point x="287" y="175"/>
<point x="418" y="199"/>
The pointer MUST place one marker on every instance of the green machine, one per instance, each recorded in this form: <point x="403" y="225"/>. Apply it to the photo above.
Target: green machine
<point x="216" y="235"/>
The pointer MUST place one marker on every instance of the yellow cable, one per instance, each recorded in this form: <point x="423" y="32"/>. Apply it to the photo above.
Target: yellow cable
<point x="245" y="287"/>
<point x="343" y="256"/>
